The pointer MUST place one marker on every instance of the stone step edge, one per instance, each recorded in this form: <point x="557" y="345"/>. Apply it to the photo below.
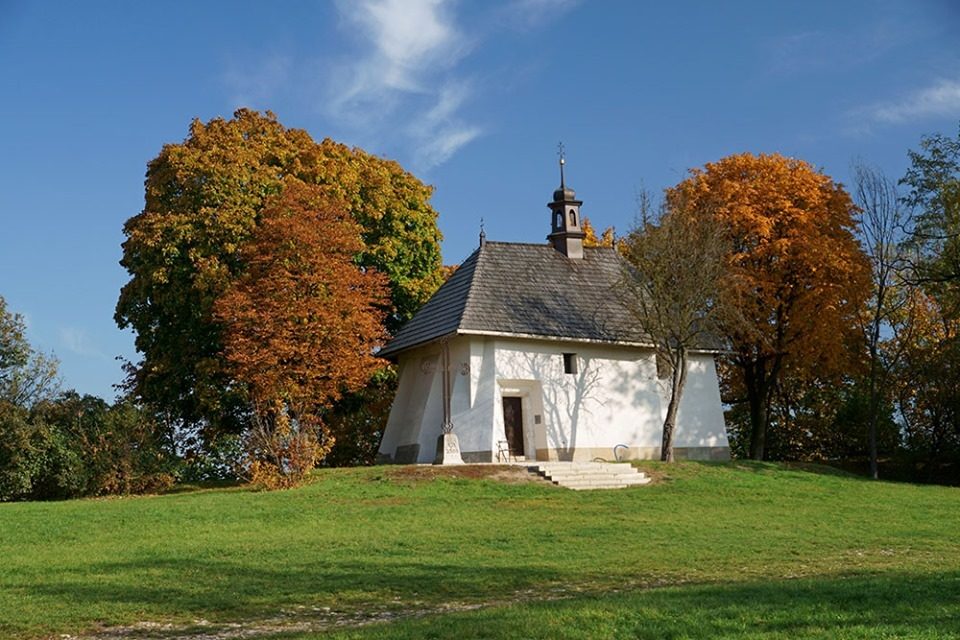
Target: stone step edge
<point x="566" y="481"/>
<point x="573" y="472"/>
<point x="602" y="481"/>
<point x="599" y="483"/>
<point x="563" y="473"/>
<point x="581" y="465"/>
<point x="584" y="469"/>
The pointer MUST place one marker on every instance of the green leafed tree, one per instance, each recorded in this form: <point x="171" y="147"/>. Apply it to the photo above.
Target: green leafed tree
<point x="933" y="190"/>
<point x="204" y="199"/>
<point x="26" y="375"/>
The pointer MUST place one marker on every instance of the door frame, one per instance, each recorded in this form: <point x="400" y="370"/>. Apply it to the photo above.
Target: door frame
<point x="531" y="402"/>
<point x="522" y="424"/>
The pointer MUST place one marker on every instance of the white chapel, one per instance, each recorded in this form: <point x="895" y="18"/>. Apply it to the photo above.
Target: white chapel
<point x="526" y="353"/>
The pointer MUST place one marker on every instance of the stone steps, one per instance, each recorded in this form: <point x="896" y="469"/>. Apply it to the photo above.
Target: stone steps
<point x="590" y="475"/>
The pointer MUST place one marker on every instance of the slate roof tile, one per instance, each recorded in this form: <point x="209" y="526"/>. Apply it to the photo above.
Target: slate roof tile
<point x="526" y="290"/>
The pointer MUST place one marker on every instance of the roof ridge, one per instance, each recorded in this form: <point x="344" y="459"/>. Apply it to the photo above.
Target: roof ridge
<point x="528" y="244"/>
<point x="463" y="309"/>
<point x="546" y="245"/>
<point x="477" y="269"/>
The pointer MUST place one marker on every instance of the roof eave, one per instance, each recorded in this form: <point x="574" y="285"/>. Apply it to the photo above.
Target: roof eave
<point x="391" y="354"/>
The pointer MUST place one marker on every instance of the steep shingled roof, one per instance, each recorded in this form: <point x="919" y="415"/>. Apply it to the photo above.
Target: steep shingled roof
<point x="529" y="290"/>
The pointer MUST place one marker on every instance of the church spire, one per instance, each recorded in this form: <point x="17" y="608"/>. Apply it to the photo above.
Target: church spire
<point x="563" y="161"/>
<point x="566" y="233"/>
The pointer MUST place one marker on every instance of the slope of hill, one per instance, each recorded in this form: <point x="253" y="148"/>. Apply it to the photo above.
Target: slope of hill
<point x="739" y="549"/>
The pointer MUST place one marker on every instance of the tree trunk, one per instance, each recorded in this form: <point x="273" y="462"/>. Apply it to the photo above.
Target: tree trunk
<point x="678" y="378"/>
<point x="758" y="385"/>
<point x="874" y="419"/>
<point x="874" y="347"/>
<point x="758" y="424"/>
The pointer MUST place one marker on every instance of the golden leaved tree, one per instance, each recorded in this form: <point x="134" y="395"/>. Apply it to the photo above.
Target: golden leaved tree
<point x="591" y="239"/>
<point x="204" y="200"/>
<point x="796" y="273"/>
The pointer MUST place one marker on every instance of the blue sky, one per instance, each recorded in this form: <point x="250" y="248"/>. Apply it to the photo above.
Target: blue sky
<point x="470" y="96"/>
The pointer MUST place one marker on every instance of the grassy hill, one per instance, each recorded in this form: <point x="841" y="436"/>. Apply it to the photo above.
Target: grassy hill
<point x="710" y="550"/>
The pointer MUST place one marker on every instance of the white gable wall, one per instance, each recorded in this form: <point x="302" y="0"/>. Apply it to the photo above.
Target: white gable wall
<point x="613" y="399"/>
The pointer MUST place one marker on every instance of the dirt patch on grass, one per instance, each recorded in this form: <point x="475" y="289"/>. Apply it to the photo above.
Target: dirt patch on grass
<point x="656" y="474"/>
<point x="509" y="474"/>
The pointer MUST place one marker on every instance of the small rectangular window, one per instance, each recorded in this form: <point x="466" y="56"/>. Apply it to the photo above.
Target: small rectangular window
<point x="569" y="363"/>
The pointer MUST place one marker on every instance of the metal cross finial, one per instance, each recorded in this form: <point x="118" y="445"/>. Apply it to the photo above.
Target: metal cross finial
<point x="483" y="234"/>
<point x="563" y="160"/>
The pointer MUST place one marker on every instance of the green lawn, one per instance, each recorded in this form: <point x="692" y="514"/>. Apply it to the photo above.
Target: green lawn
<point x="736" y="550"/>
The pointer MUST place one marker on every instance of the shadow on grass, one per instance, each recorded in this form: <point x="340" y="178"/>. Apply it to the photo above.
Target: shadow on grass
<point x="901" y="605"/>
<point x="207" y="485"/>
<point x="219" y="590"/>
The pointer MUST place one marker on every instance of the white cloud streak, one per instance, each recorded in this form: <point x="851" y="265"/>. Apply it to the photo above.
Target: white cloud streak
<point x="402" y="83"/>
<point x="413" y="47"/>
<point x="941" y="99"/>
<point x="440" y="133"/>
<point x="410" y="37"/>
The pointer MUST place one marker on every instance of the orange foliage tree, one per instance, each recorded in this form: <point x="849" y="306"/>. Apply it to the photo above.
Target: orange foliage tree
<point x="796" y="272"/>
<point x="591" y="239"/>
<point x="204" y="199"/>
<point x="927" y="379"/>
<point x="300" y="328"/>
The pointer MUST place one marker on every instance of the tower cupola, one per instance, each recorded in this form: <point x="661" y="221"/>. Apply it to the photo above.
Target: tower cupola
<point x="566" y="231"/>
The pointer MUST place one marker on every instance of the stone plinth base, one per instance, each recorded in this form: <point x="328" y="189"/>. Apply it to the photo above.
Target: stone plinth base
<point x="448" y="450"/>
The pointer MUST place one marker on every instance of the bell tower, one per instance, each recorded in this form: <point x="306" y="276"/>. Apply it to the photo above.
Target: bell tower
<point x="566" y="232"/>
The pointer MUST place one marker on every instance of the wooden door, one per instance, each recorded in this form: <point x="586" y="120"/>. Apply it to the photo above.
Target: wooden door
<point x="513" y="425"/>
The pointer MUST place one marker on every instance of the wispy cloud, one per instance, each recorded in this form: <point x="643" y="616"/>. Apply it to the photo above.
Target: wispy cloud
<point x="410" y="38"/>
<point x="400" y="81"/>
<point x="77" y="341"/>
<point x="942" y="98"/>
<point x="839" y="50"/>
<point x="440" y="132"/>
<point x="411" y="49"/>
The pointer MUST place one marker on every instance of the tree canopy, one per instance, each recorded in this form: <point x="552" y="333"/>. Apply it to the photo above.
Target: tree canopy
<point x="204" y="200"/>
<point x="26" y="375"/>
<point x="796" y="271"/>
<point x="933" y="182"/>
<point x="300" y="327"/>
<point x="591" y="239"/>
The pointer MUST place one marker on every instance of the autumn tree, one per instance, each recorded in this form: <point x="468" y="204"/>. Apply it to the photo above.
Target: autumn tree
<point x="204" y="201"/>
<point x="674" y="291"/>
<point x="928" y="374"/>
<point x="591" y="239"/>
<point x="300" y="327"/>
<point x="926" y="382"/>
<point x="796" y="272"/>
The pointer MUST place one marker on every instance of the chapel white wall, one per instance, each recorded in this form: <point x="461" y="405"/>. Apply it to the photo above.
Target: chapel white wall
<point x="614" y="398"/>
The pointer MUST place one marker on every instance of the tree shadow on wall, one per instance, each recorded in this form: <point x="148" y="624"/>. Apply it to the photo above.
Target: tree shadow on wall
<point x="566" y="398"/>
